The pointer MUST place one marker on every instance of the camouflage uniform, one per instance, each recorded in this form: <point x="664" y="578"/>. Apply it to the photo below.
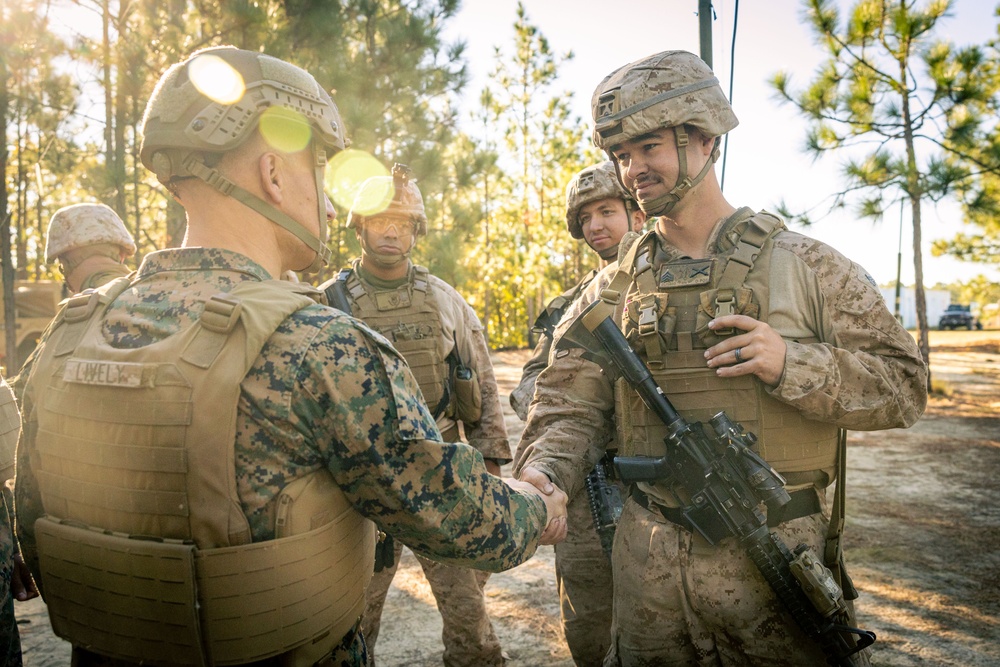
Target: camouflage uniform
<point x="10" y="423"/>
<point x="325" y="392"/>
<point x="83" y="231"/>
<point x="583" y="569"/>
<point x="99" y="278"/>
<point x="847" y="365"/>
<point x="468" y="635"/>
<point x="678" y="601"/>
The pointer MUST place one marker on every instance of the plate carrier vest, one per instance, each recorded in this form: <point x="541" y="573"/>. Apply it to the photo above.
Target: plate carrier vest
<point x="145" y="551"/>
<point x="665" y="316"/>
<point x="10" y="427"/>
<point x="410" y="318"/>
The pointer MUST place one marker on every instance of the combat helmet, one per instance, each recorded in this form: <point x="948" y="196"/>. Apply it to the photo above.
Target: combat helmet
<point x="596" y="182"/>
<point x="81" y="225"/>
<point x="184" y="131"/>
<point x="669" y="89"/>
<point x="396" y="196"/>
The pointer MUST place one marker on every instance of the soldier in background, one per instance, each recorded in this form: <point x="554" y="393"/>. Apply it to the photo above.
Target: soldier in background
<point x="15" y="580"/>
<point x="731" y="312"/>
<point x="246" y="434"/>
<point x="442" y="340"/>
<point x="90" y="243"/>
<point x="602" y="213"/>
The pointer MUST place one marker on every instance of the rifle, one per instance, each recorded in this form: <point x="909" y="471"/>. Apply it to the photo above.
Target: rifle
<point x="336" y="292"/>
<point x="727" y="483"/>
<point x="605" y="500"/>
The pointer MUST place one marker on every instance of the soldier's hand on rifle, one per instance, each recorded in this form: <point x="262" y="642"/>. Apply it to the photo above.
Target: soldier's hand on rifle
<point x="535" y="481"/>
<point x="759" y="351"/>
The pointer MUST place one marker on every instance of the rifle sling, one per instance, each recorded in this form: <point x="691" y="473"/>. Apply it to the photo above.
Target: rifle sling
<point x="804" y="502"/>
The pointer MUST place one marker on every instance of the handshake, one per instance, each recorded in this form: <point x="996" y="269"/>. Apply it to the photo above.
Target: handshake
<point x="536" y="482"/>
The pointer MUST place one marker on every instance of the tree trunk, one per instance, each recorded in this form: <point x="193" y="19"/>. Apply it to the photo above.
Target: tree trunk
<point x="914" y="192"/>
<point x="109" y="139"/>
<point x="121" y="105"/>
<point x="20" y="231"/>
<point x="11" y="363"/>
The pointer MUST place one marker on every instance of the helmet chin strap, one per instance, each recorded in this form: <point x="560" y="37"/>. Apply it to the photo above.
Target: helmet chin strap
<point x="317" y="244"/>
<point x="665" y="203"/>
<point x="609" y="253"/>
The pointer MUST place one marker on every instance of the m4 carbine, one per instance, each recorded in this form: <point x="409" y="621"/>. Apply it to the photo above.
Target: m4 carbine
<point x="727" y="483"/>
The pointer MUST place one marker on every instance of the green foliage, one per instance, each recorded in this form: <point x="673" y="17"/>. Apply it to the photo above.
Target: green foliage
<point x="915" y="115"/>
<point x="495" y="199"/>
<point x="524" y="255"/>
<point x="979" y="292"/>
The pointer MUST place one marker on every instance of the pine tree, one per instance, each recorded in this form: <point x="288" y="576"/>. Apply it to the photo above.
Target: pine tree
<point x="887" y="97"/>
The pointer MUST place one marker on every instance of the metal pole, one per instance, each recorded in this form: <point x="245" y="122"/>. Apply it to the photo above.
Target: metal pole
<point x="705" y="30"/>
<point x="899" y="259"/>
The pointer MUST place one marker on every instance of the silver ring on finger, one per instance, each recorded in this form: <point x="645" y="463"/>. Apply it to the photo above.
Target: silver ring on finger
<point x="739" y="355"/>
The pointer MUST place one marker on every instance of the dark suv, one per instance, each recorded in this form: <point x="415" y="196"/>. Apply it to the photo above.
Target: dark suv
<point x="957" y="316"/>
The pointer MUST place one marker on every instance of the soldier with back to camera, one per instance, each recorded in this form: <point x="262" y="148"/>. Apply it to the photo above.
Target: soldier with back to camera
<point x="15" y="580"/>
<point x="604" y="215"/>
<point x="90" y="243"/>
<point x="732" y="312"/>
<point x="442" y="340"/>
<point x="215" y="448"/>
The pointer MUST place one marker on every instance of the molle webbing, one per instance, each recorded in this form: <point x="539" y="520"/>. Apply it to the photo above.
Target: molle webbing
<point x="166" y="602"/>
<point x="409" y="317"/>
<point x="665" y="314"/>
<point x="10" y="426"/>
<point x="547" y="320"/>
<point x="121" y="444"/>
<point x="127" y="450"/>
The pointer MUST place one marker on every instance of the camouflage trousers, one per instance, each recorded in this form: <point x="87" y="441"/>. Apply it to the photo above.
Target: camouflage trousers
<point x="583" y="577"/>
<point x="679" y="601"/>
<point x="468" y="636"/>
<point x="10" y="640"/>
<point x="350" y="652"/>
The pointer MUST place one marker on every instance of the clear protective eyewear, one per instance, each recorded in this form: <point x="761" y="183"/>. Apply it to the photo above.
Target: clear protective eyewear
<point x="381" y="225"/>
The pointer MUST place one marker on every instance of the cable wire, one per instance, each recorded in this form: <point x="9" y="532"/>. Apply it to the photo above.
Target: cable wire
<point x="732" y="65"/>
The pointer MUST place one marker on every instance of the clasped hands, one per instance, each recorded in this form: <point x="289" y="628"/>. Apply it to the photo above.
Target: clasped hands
<point x="536" y="482"/>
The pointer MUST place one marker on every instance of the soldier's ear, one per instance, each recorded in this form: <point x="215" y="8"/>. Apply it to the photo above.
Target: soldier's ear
<point x="638" y="220"/>
<point x="271" y="174"/>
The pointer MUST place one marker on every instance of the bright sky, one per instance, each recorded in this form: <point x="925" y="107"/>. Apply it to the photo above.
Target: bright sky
<point x="765" y="162"/>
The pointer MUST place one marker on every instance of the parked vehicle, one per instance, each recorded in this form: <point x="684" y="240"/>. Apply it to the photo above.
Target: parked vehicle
<point x="35" y="304"/>
<point x="958" y="316"/>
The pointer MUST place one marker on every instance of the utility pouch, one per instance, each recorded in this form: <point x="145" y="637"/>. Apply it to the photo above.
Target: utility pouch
<point x="139" y="597"/>
<point x="468" y="397"/>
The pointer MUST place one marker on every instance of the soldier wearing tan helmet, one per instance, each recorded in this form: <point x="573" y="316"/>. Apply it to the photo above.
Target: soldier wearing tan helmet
<point x="15" y="580"/>
<point x="215" y="447"/>
<point x="442" y="340"/>
<point x="604" y="215"/>
<point x="90" y="243"/>
<point x="731" y="312"/>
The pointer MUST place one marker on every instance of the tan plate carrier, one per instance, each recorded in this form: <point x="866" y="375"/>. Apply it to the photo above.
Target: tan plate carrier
<point x="139" y="596"/>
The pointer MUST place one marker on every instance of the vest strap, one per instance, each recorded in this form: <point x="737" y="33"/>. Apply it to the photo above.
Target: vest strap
<point x="740" y="263"/>
<point x="222" y="312"/>
<point x="74" y="316"/>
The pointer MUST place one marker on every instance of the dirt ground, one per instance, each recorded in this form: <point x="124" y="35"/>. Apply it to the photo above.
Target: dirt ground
<point x="922" y="541"/>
